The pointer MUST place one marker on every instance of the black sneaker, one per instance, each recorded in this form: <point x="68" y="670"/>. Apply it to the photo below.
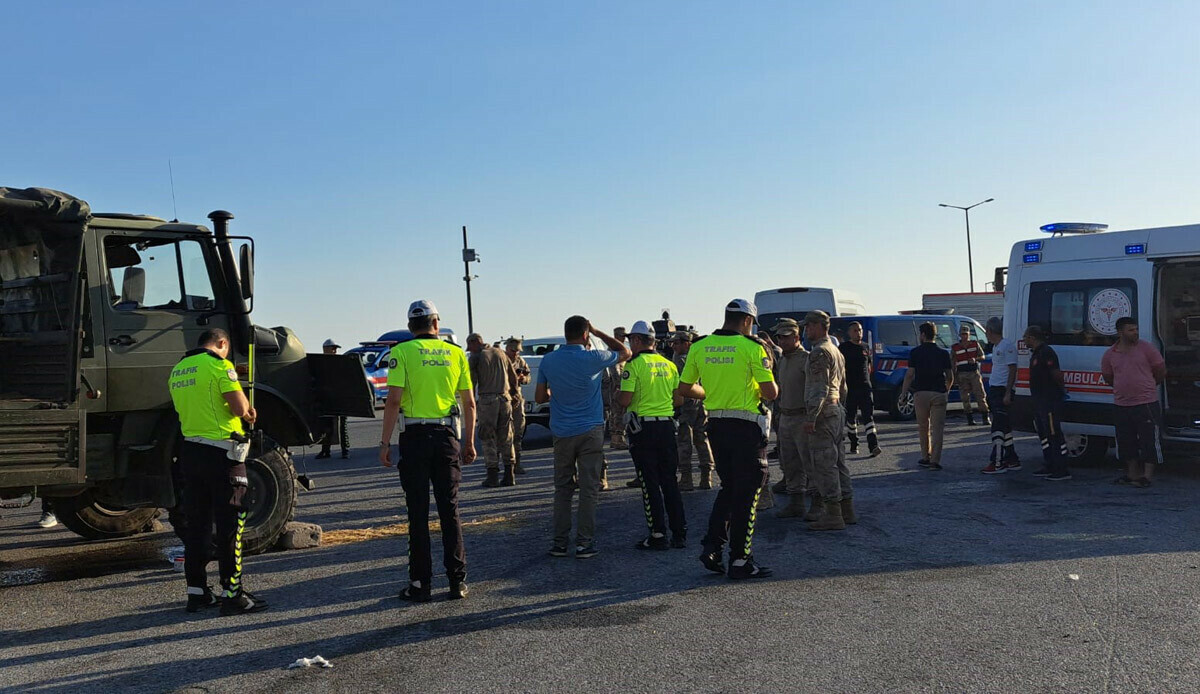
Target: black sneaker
<point x="458" y="591"/>
<point x="678" y="541"/>
<point x="321" y="456"/>
<point x="748" y="570"/>
<point x="202" y="602"/>
<point x="1043" y="472"/>
<point x="586" y="551"/>
<point x="413" y="593"/>
<point x="242" y="603"/>
<point x="712" y="562"/>
<point x="924" y="462"/>
<point x="854" y="449"/>
<point x="660" y="543"/>
<point x="935" y="466"/>
<point x="558" y="551"/>
<point x="1059" y="476"/>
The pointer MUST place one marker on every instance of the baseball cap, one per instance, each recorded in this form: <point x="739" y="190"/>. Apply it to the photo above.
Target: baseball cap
<point x="743" y="306"/>
<point x="787" y="326"/>
<point x="421" y="308"/>
<point x="641" y="328"/>
<point x="330" y="343"/>
<point x="817" y="317"/>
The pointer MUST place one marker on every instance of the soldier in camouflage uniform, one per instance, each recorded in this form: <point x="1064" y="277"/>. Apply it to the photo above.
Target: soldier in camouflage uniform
<point x="692" y="420"/>
<point x="825" y="422"/>
<point x="512" y="347"/>
<point x="616" y="413"/>
<point x="766" y="499"/>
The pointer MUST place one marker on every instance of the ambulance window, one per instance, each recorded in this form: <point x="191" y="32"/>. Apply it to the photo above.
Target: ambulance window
<point x="1082" y="312"/>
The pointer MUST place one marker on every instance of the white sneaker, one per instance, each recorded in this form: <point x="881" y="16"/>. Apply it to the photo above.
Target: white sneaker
<point x="48" y="520"/>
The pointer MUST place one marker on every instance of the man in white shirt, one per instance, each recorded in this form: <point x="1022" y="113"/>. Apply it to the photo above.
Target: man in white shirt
<point x="999" y="397"/>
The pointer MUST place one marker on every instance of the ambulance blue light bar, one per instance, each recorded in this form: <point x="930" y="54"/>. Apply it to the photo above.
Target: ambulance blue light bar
<point x="1135" y="249"/>
<point x="1032" y="258"/>
<point x="1031" y="246"/>
<point x="1074" y="228"/>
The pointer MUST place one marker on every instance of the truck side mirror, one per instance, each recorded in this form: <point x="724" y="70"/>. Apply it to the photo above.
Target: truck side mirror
<point x="246" y="271"/>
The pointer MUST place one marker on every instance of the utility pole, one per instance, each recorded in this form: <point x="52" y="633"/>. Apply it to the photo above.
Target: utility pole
<point x="469" y="256"/>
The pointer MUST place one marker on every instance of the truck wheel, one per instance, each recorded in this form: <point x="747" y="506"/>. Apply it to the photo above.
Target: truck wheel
<point x="88" y="518"/>
<point x="903" y="407"/>
<point x="270" y="500"/>
<point x="1085" y="449"/>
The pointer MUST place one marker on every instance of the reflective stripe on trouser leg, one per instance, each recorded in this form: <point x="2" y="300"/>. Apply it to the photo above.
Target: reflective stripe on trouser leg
<point x="235" y="580"/>
<point x="750" y="525"/>
<point x="646" y="500"/>
<point x="997" y="446"/>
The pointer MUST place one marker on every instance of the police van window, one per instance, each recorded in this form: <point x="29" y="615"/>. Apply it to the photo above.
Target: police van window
<point x="1082" y="312"/>
<point x="897" y="332"/>
<point x="157" y="274"/>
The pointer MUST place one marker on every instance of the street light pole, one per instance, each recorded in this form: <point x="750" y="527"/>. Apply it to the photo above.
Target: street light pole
<point x="967" y="216"/>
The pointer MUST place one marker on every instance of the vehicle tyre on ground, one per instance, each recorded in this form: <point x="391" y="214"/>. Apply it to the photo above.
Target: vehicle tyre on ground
<point x="1084" y="449"/>
<point x="91" y="519"/>
<point x="902" y="407"/>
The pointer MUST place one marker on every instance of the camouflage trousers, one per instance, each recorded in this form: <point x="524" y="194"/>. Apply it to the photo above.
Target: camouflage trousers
<point x="829" y="473"/>
<point x="494" y="422"/>
<point x="518" y="421"/>
<point x="794" y="455"/>
<point x="616" y="420"/>
<point x="692" y="436"/>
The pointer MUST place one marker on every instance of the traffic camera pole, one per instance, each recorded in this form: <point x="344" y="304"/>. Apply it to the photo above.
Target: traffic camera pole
<point x="468" y="256"/>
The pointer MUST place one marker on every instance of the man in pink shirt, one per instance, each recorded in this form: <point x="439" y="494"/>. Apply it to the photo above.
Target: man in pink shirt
<point x="1135" y="369"/>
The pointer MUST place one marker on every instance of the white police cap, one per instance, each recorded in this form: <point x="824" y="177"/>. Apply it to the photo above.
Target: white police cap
<point x="422" y="308"/>
<point x="742" y="306"/>
<point x="641" y="328"/>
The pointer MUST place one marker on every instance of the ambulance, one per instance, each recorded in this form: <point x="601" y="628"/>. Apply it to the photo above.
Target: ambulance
<point x="1075" y="283"/>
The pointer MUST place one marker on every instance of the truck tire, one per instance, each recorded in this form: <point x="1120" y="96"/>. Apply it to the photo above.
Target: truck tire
<point x="88" y="518"/>
<point x="902" y="408"/>
<point x="270" y="501"/>
<point x="1086" y="450"/>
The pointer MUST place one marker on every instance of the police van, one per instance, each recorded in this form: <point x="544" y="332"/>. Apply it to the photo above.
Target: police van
<point x="1075" y="284"/>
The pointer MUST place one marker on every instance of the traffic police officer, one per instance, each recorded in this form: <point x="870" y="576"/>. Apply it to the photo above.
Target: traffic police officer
<point x="512" y="347"/>
<point x="736" y="377"/>
<point x="860" y="403"/>
<point x="648" y="386"/>
<point x="825" y="422"/>
<point x="424" y="375"/>
<point x="212" y="460"/>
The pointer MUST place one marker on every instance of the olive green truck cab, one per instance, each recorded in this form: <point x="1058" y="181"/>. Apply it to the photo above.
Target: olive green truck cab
<point x="95" y="310"/>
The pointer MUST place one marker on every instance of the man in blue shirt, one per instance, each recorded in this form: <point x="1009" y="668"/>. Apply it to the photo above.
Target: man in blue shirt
<point x="569" y="379"/>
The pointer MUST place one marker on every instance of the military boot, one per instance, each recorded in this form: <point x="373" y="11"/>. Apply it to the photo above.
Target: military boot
<point x="814" y="510"/>
<point x="848" y="514"/>
<point x="705" y="479"/>
<point x="492" y="479"/>
<point x="519" y="470"/>
<point x="794" y="509"/>
<point x="831" y="519"/>
<point x="766" y="499"/>
<point x="780" y="487"/>
<point x="510" y="479"/>
<point x="685" y="481"/>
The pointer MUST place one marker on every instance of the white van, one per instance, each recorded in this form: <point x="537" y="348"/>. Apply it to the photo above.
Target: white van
<point x="1075" y="284"/>
<point x="794" y="302"/>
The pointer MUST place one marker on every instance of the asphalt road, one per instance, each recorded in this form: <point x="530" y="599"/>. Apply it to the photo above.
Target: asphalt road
<point x="951" y="581"/>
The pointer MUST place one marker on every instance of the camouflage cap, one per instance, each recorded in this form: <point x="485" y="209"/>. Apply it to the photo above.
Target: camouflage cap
<point x="474" y="337"/>
<point x="787" y="326"/>
<point x="512" y="342"/>
<point x="682" y="336"/>
<point x="817" y="317"/>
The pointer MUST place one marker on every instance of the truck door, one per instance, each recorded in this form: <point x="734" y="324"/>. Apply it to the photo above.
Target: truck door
<point x="160" y="299"/>
<point x="1177" y="309"/>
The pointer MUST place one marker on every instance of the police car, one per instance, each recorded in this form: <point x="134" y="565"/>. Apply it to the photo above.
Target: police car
<point x="890" y="339"/>
<point x="1075" y="284"/>
<point x="374" y="356"/>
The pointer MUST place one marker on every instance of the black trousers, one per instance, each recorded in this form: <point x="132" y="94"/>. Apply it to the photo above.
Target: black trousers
<point x="331" y="427"/>
<point x="1047" y="419"/>
<point x="211" y="497"/>
<point x="429" y="455"/>
<point x="860" y="405"/>
<point x="655" y="455"/>
<point x="1003" y="447"/>
<point x="735" y="445"/>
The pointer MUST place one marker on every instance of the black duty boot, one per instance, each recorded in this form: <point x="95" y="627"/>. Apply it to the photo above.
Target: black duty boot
<point x="747" y="569"/>
<point x="458" y="591"/>
<point x="509" y="476"/>
<point x="519" y="470"/>
<point x="492" y="479"/>
<point x="416" y="593"/>
<point x="242" y="603"/>
<point x="712" y="561"/>
<point x="202" y="602"/>
<point x="986" y="418"/>
<point x="970" y="420"/>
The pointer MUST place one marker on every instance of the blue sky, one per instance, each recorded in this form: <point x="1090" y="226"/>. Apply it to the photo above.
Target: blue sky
<point x="609" y="158"/>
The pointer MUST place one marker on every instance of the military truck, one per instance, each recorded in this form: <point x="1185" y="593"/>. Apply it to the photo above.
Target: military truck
<point x="95" y="309"/>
